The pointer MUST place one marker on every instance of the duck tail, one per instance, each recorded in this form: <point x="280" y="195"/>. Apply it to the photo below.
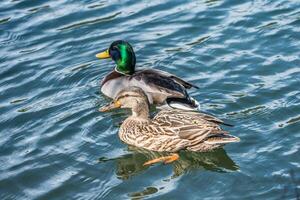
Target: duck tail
<point x="188" y="104"/>
<point x="221" y="139"/>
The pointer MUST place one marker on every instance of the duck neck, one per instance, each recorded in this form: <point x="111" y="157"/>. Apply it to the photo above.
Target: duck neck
<point x="141" y="110"/>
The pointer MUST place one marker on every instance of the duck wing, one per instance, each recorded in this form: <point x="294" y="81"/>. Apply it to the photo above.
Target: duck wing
<point x="161" y="82"/>
<point x="161" y="86"/>
<point x="175" y="78"/>
<point x="203" y="131"/>
<point x="177" y="118"/>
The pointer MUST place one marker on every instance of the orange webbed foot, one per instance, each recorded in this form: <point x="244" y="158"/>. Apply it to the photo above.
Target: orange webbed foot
<point x="165" y="159"/>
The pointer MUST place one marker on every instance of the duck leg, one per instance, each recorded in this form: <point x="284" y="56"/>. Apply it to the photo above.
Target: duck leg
<point x="165" y="159"/>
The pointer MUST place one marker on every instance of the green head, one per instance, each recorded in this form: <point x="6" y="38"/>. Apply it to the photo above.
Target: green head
<point x="122" y="53"/>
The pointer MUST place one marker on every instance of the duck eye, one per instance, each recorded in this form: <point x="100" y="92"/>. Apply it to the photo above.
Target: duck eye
<point x="123" y="96"/>
<point x="115" y="54"/>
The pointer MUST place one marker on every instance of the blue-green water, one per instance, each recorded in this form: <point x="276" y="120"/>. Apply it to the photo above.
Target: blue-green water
<point x="244" y="56"/>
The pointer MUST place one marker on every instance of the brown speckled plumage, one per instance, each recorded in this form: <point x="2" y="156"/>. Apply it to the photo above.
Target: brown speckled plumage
<point x="170" y="130"/>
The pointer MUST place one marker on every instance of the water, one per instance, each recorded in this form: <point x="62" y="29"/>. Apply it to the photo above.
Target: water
<point x="244" y="56"/>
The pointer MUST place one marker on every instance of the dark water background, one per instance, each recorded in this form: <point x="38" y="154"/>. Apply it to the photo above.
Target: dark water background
<point x="244" y="56"/>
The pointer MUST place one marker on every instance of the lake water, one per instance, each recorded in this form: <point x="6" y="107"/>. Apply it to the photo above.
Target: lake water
<point x="244" y="56"/>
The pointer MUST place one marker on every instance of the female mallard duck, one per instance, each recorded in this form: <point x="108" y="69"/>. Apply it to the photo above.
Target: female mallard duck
<point x="161" y="87"/>
<point x="170" y="130"/>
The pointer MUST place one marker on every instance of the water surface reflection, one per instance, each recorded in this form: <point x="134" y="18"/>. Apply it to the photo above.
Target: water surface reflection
<point x="131" y="164"/>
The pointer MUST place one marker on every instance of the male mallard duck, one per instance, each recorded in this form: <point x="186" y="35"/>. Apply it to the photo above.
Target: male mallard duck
<point x="161" y="87"/>
<point x="170" y="130"/>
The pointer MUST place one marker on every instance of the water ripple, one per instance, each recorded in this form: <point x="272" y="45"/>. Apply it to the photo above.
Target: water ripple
<point x="89" y="22"/>
<point x="244" y="56"/>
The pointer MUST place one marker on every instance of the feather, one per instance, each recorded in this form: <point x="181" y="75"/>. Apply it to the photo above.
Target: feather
<point x="160" y="87"/>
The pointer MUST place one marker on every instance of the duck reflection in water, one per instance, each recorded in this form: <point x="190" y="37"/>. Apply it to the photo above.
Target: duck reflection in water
<point x="132" y="164"/>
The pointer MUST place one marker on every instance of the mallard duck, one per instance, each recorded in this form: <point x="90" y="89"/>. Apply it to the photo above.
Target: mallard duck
<point x="161" y="88"/>
<point x="170" y="130"/>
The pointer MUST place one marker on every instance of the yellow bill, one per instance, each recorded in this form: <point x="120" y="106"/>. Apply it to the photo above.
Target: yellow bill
<point x="103" y="55"/>
<point x="110" y="106"/>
